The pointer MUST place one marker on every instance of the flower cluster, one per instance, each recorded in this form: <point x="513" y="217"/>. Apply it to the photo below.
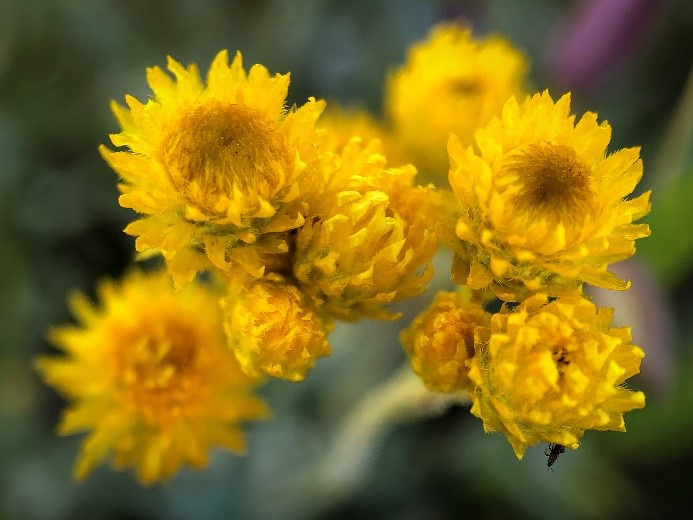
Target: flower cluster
<point x="307" y="226"/>
<point x="275" y="222"/>
<point x="292" y="226"/>
<point x="538" y="208"/>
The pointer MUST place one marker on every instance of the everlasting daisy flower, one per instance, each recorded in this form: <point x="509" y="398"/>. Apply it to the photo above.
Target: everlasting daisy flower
<point x="451" y="82"/>
<point x="370" y="241"/>
<point x="550" y="371"/>
<point x="273" y="329"/>
<point x="149" y="376"/>
<point x="542" y="206"/>
<point x="440" y="341"/>
<point x="219" y="169"/>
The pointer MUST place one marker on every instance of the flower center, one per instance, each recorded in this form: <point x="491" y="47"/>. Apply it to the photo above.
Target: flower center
<point x="555" y="183"/>
<point x="216" y="146"/>
<point x="464" y="86"/>
<point x="160" y="359"/>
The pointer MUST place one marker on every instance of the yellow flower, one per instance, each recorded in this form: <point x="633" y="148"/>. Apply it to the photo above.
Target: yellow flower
<point x="342" y="123"/>
<point x="370" y="241"/>
<point x="451" y="82"/>
<point x="542" y="207"/>
<point x="220" y="170"/>
<point x="550" y="371"/>
<point x="440" y="341"/>
<point x="150" y="377"/>
<point x="272" y="329"/>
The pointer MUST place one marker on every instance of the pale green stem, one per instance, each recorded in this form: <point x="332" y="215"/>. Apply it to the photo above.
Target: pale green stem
<point x="402" y="398"/>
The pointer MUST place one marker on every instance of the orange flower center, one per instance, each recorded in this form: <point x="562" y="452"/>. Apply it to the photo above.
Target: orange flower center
<point x="160" y="357"/>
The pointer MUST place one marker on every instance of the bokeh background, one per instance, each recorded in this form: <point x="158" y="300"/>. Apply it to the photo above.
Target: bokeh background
<point x="61" y="61"/>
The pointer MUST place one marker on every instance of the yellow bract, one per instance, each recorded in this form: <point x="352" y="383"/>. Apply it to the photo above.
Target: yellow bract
<point x="440" y="341"/>
<point x="550" y="371"/>
<point x="149" y="376"/>
<point x="450" y="83"/>
<point x="541" y="206"/>
<point x="220" y="170"/>
<point x="370" y="241"/>
<point x="273" y="330"/>
<point x="341" y="123"/>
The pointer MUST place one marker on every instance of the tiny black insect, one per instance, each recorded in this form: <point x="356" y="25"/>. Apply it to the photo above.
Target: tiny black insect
<point x="554" y="452"/>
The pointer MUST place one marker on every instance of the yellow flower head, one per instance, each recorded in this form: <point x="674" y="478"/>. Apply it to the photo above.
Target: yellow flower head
<point x="273" y="330"/>
<point x="220" y="170"/>
<point x="450" y="83"/>
<point x="550" y="371"/>
<point x="150" y="377"/>
<point x="542" y="207"/>
<point x="342" y="123"/>
<point x="370" y="241"/>
<point x="440" y="341"/>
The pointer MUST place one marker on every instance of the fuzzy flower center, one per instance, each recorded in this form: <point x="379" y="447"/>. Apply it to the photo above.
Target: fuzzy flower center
<point x="161" y="357"/>
<point x="555" y="183"/>
<point x="216" y="146"/>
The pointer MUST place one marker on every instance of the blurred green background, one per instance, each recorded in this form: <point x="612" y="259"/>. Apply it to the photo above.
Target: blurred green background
<point x="61" y="61"/>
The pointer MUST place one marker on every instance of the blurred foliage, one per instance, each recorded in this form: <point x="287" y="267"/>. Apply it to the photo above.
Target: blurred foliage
<point x="61" y="61"/>
<point x="670" y="248"/>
